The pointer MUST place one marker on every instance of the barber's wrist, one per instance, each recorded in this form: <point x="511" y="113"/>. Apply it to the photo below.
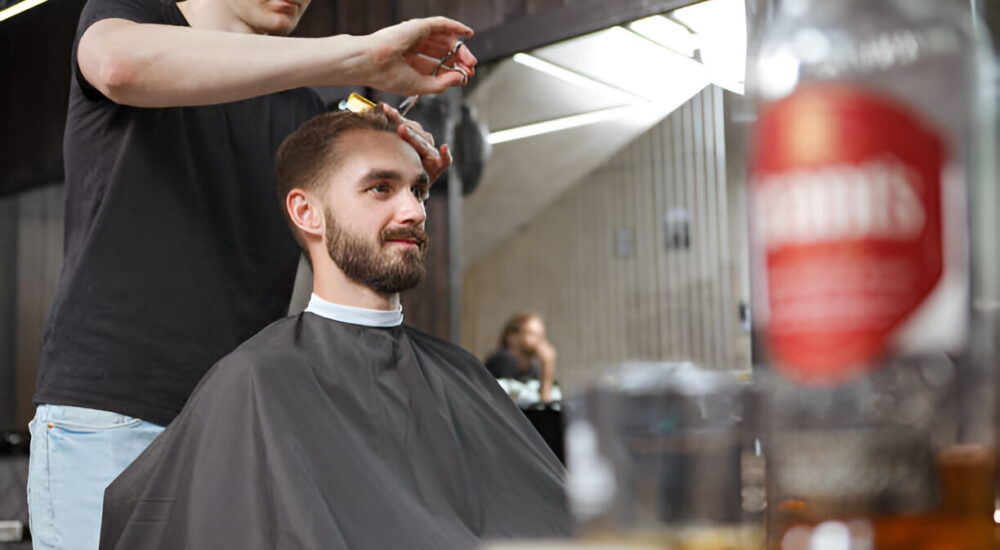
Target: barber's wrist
<point x="346" y="60"/>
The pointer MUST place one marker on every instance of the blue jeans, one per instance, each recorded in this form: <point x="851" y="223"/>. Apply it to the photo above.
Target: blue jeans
<point x="75" y="454"/>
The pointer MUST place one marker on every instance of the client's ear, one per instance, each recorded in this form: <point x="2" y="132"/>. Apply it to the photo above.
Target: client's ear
<point x="305" y="212"/>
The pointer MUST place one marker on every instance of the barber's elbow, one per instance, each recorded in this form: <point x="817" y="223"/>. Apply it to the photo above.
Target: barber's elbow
<point x="108" y="55"/>
<point x="115" y="77"/>
<point x="111" y="71"/>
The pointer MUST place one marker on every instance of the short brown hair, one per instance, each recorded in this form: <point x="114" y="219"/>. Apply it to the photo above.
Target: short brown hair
<point x="313" y="151"/>
<point x="514" y="326"/>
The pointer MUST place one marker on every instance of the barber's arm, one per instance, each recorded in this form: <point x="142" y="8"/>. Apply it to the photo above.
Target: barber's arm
<point x="149" y="65"/>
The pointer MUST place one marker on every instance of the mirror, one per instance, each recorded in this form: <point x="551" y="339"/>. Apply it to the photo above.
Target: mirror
<point x="612" y="201"/>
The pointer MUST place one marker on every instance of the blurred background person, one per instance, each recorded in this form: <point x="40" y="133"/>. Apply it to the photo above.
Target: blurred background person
<point x="525" y="354"/>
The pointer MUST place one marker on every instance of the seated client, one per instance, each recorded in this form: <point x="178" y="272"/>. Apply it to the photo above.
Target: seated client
<point x="342" y="428"/>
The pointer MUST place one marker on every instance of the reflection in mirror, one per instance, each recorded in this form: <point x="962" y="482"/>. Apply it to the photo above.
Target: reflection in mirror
<point x="603" y="136"/>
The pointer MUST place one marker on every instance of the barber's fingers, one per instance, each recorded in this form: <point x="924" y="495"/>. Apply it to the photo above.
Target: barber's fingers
<point x="423" y="64"/>
<point x="427" y="65"/>
<point x="436" y="164"/>
<point x="445" y="153"/>
<point x="444" y="25"/>
<point x="429" y="84"/>
<point x="435" y="160"/>
<point x="414" y="31"/>
<point x="436" y="46"/>
<point x="419" y="131"/>
<point x="445" y="46"/>
<point x="421" y="142"/>
<point x="396" y="117"/>
<point x="445" y="80"/>
<point x="465" y="57"/>
<point x="433" y="36"/>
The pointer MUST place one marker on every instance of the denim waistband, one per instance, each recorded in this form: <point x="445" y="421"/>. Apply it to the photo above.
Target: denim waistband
<point x="45" y="413"/>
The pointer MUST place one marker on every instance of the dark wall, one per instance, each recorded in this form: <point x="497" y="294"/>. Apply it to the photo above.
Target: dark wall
<point x="8" y="310"/>
<point x="34" y="85"/>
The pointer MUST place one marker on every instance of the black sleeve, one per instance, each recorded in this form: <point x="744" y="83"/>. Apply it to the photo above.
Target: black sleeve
<point x="139" y="11"/>
<point x="502" y="364"/>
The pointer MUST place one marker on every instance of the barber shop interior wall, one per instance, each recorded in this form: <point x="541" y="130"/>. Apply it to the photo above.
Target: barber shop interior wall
<point x="645" y="258"/>
<point x="31" y="244"/>
<point x="8" y="299"/>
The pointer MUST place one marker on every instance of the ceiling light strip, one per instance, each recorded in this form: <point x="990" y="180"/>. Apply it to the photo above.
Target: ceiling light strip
<point x="20" y="7"/>
<point x="687" y="51"/>
<point x="575" y="78"/>
<point x="564" y="123"/>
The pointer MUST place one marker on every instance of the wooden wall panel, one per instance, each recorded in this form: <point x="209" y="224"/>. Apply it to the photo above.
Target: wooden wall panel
<point x="597" y="266"/>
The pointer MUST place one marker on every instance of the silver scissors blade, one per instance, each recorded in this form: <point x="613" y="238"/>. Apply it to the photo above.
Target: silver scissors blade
<point x="410" y="101"/>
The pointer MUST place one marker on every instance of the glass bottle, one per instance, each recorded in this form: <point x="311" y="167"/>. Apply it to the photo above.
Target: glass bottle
<point x="873" y="223"/>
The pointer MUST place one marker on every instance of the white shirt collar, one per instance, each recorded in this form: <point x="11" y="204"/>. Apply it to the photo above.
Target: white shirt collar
<point x="355" y="315"/>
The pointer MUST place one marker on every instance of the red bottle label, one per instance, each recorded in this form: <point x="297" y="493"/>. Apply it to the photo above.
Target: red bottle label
<point x="846" y="192"/>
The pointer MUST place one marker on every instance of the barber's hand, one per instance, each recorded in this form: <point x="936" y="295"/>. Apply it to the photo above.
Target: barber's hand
<point x="397" y="65"/>
<point x="435" y="160"/>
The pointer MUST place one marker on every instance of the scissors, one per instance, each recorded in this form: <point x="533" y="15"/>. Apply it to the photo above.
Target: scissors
<point x="410" y="101"/>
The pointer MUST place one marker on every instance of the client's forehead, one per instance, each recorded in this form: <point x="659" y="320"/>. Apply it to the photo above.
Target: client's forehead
<point x="361" y="151"/>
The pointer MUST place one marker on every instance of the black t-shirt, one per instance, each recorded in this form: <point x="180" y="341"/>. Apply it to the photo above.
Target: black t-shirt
<point x="503" y="364"/>
<point x="175" y="247"/>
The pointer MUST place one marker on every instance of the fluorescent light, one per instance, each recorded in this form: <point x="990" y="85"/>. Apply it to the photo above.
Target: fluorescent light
<point x="722" y="32"/>
<point x="656" y="93"/>
<point x="564" y="123"/>
<point x="667" y="33"/>
<point x="616" y="62"/>
<point x="574" y="78"/>
<point x="20" y="7"/>
<point x="628" y="60"/>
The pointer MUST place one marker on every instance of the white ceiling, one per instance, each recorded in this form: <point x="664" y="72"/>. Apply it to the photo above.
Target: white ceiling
<point x="524" y="176"/>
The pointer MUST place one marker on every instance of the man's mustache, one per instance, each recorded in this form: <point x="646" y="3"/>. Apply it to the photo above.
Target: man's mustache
<point x="414" y="234"/>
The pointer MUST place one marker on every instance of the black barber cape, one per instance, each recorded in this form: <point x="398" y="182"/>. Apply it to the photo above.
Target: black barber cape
<point x="318" y="434"/>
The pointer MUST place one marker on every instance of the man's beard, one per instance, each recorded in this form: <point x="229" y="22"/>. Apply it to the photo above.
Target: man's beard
<point x="384" y="270"/>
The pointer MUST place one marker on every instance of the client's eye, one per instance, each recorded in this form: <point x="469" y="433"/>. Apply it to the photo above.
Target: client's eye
<point x="422" y="192"/>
